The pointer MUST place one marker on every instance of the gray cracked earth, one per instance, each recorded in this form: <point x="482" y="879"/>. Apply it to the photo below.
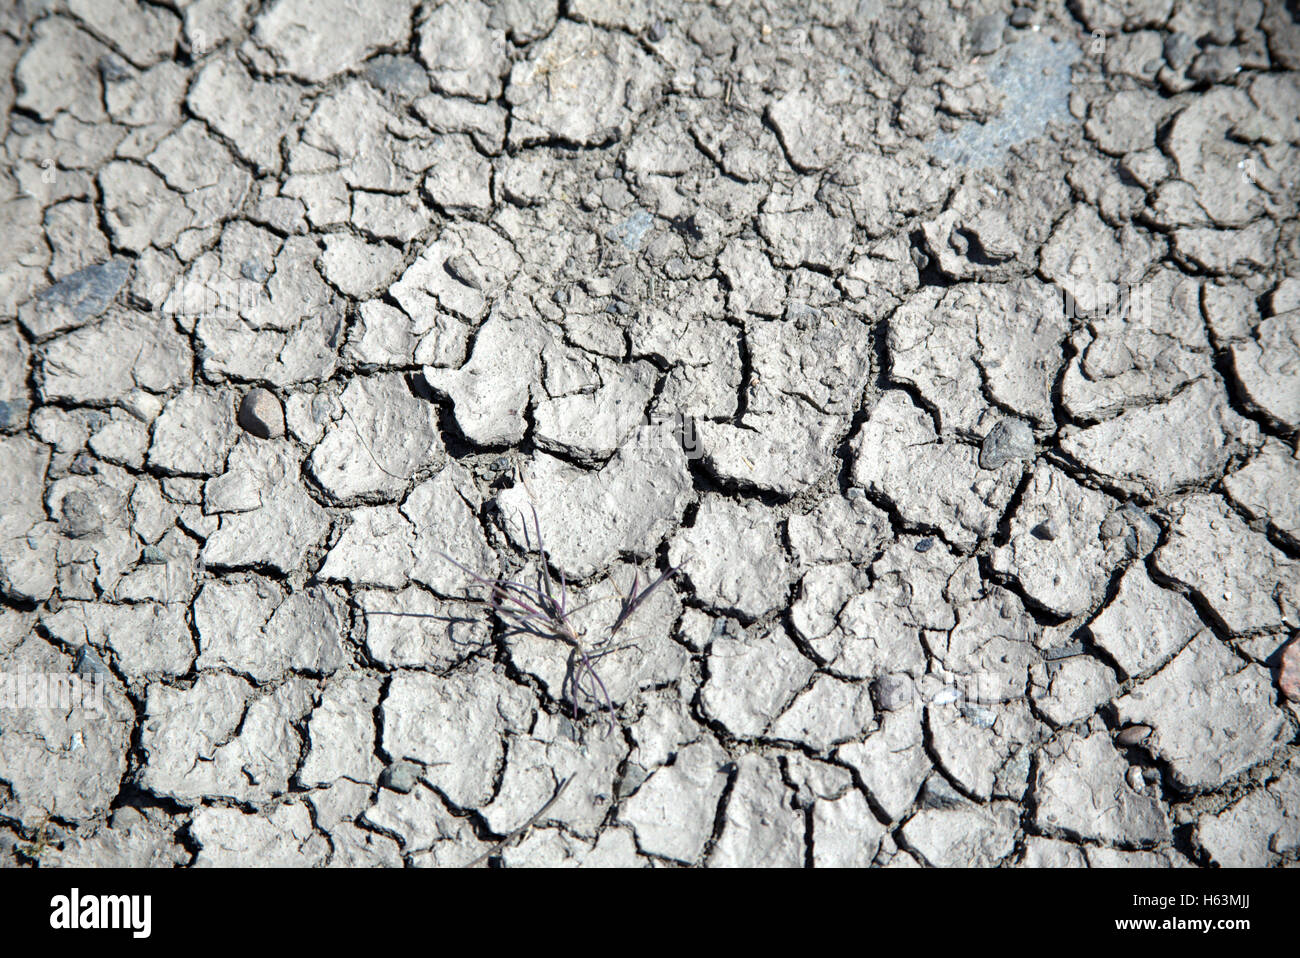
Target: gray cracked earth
<point x="953" y="353"/>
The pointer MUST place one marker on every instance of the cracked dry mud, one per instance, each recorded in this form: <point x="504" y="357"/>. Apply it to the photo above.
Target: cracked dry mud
<point x="952" y="352"/>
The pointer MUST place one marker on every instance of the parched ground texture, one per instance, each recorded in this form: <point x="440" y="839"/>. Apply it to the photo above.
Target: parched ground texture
<point x="952" y="350"/>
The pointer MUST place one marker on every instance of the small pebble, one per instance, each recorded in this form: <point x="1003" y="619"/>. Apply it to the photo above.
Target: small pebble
<point x="81" y="516"/>
<point x="986" y="34"/>
<point x="261" y="415"/>
<point x="152" y="555"/>
<point x="89" y="663"/>
<point x="1009" y="439"/>
<point x="400" y="777"/>
<point x="893" y="692"/>
<point x="1138" y="530"/>
<point x="462" y="268"/>
<point x="631" y="780"/>
<point x="1133" y="735"/>
<point x="657" y="31"/>
<point x="1135" y="779"/>
<point x="925" y="545"/>
<point x="1288" y="672"/>
<point x="1021" y="17"/>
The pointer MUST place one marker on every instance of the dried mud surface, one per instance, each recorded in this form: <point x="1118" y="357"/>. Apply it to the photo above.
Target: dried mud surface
<point x="952" y="351"/>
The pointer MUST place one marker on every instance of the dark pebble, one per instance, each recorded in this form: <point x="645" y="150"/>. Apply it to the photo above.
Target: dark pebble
<point x="1133" y="735"/>
<point x="89" y="663"/>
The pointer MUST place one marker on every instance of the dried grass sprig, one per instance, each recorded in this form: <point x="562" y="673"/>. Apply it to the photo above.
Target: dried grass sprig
<point x="543" y="611"/>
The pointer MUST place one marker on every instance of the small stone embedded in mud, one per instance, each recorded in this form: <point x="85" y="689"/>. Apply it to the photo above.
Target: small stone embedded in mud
<point x="77" y="298"/>
<point x="1129" y="522"/>
<point x="1113" y="526"/>
<point x="82" y="516"/>
<point x="89" y="663"/>
<point x="400" y="777"/>
<point x="986" y="33"/>
<point x="261" y="414"/>
<point x="1008" y="441"/>
<point x="1288" y="673"/>
<point x="1133" y="735"/>
<point x="894" y="691"/>
<point x="1044" y="531"/>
